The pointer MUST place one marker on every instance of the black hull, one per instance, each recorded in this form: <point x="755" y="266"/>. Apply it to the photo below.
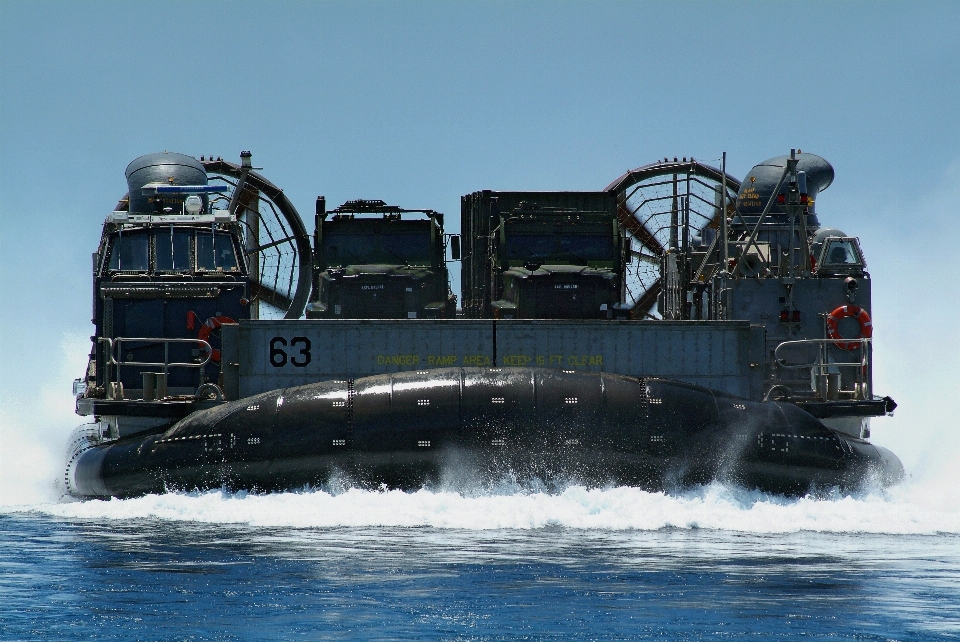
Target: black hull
<point x="479" y="424"/>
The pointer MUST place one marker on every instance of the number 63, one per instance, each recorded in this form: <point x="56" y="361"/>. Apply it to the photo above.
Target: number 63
<point x="279" y="357"/>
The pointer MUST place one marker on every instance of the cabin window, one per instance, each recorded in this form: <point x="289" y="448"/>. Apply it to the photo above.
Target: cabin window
<point x="413" y="247"/>
<point x="131" y="252"/>
<point x="842" y="253"/>
<point x="559" y="248"/>
<point x="215" y="252"/>
<point x="393" y="248"/>
<point x="173" y="250"/>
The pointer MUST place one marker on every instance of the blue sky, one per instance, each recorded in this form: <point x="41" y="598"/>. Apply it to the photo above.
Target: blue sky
<point x="418" y="103"/>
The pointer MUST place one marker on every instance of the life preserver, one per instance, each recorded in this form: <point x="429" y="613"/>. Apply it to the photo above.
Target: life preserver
<point x="211" y="324"/>
<point x="844" y="311"/>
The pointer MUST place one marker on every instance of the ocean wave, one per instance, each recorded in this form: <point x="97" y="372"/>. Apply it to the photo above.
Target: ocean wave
<point x="907" y="509"/>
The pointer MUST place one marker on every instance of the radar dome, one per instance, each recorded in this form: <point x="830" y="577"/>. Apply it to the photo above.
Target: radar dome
<point x="161" y="167"/>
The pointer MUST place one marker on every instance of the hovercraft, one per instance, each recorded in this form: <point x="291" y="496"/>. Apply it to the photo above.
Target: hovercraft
<point x="738" y="348"/>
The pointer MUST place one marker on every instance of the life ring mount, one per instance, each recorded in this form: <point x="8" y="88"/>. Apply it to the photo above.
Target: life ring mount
<point x="211" y="324"/>
<point x="843" y="312"/>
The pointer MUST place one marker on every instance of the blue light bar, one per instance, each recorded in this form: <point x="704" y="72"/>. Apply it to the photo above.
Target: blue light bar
<point x="161" y="188"/>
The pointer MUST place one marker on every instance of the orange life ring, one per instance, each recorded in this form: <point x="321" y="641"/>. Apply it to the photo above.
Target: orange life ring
<point x="211" y="324"/>
<point x="844" y="311"/>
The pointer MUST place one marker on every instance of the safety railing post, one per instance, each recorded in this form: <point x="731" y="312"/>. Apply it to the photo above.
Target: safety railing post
<point x="113" y="365"/>
<point x="820" y="368"/>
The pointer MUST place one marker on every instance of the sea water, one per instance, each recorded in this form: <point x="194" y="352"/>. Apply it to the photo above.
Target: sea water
<point x="500" y="563"/>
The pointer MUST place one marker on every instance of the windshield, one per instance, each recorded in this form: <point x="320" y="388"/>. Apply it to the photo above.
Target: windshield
<point x="841" y="252"/>
<point x="173" y="250"/>
<point x="176" y="250"/>
<point x="215" y="252"/>
<point x="343" y="247"/>
<point x="565" y="245"/>
<point x="131" y="251"/>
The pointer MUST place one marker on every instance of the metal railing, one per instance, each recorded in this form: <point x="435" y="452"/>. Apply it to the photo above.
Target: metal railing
<point x="825" y="373"/>
<point x="114" y="345"/>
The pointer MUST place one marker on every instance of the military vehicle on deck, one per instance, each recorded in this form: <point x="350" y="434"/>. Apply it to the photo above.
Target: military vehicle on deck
<point x="379" y="261"/>
<point x="542" y="255"/>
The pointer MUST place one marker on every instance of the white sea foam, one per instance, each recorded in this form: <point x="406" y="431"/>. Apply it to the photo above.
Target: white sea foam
<point x="34" y="429"/>
<point x="912" y="508"/>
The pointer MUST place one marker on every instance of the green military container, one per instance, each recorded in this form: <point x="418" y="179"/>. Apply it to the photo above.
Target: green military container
<point x="378" y="261"/>
<point x="542" y="255"/>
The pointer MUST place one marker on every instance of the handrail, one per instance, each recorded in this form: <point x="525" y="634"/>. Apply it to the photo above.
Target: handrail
<point x="864" y="359"/>
<point x="113" y="365"/>
<point x="166" y="363"/>
<point x="824" y="373"/>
